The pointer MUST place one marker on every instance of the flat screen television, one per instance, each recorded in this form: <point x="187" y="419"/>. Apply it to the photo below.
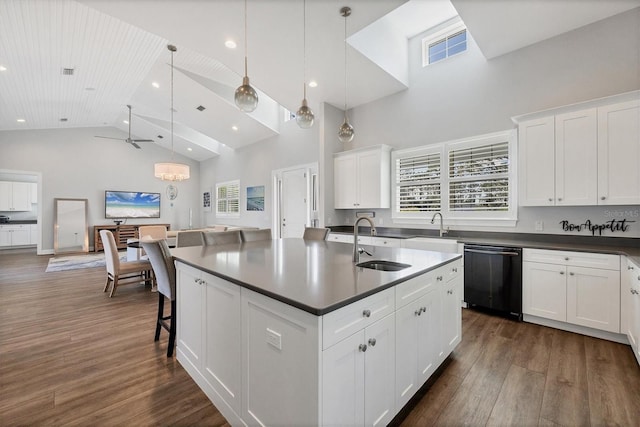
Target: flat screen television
<point x="131" y="204"/>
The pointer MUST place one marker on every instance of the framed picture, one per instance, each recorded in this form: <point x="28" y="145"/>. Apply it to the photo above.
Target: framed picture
<point x="206" y="201"/>
<point x="255" y="198"/>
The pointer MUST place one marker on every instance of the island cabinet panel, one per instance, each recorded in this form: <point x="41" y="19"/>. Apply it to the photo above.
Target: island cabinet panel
<point x="280" y="363"/>
<point x="630" y="299"/>
<point x="222" y="329"/>
<point x="189" y="304"/>
<point x="451" y="288"/>
<point x="358" y="377"/>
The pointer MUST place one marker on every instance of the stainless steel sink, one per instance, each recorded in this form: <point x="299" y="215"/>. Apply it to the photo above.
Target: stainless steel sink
<point x="383" y="265"/>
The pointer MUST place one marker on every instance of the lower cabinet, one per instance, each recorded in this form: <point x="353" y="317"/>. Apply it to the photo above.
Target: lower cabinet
<point x="451" y="290"/>
<point x="15" y="235"/>
<point x="358" y="377"/>
<point x="630" y="299"/>
<point x="578" y="288"/>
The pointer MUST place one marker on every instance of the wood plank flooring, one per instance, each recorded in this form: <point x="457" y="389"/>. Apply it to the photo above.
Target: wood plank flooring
<point x="69" y="355"/>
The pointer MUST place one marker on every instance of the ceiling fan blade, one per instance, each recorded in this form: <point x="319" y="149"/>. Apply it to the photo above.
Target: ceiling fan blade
<point x="107" y="137"/>
<point x="142" y="140"/>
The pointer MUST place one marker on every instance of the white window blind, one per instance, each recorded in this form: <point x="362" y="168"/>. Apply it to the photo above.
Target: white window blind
<point x="479" y="178"/>
<point x="418" y="183"/>
<point x="228" y="198"/>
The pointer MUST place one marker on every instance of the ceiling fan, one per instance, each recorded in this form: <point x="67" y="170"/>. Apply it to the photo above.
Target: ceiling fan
<point x="128" y="140"/>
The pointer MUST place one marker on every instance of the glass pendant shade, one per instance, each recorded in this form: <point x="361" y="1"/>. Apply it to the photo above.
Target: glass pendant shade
<point x="304" y="116"/>
<point x="246" y="97"/>
<point x="345" y="131"/>
<point x="171" y="171"/>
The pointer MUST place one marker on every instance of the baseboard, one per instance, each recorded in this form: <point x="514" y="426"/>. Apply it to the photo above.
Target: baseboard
<point x="583" y="330"/>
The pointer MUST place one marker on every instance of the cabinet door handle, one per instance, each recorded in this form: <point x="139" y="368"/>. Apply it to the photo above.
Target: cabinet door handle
<point x="372" y="342"/>
<point x="630" y="267"/>
<point x="566" y="258"/>
<point x="562" y="272"/>
<point x="366" y="313"/>
<point x="559" y="199"/>
<point x="602" y="198"/>
<point x="439" y="278"/>
<point x="450" y="292"/>
<point x="362" y="347"/>
<point x="455" y="269"/>
<point x="419" y="311"/>
<point x="571" y="273"/>
<point x="550" y="199"/>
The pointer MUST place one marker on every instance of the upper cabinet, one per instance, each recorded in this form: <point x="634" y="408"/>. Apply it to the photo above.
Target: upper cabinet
<point x="362" y="178"/>
<point x="581" y="157"/>
<point x="15" y="196"/>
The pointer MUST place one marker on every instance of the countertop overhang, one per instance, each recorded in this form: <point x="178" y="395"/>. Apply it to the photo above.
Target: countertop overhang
<point x="315" y="276"/>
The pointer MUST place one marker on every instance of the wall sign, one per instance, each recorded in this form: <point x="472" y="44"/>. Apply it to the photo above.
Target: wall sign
<point x="613" y="225"/>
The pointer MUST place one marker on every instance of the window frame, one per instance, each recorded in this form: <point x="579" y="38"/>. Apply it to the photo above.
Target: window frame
<point x="507" y="218"/>
<point x="443" y="35"/>
<point x="228" y="184"/>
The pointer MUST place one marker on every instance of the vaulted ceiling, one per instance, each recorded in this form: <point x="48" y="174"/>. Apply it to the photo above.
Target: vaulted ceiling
<point x="118" y="48"/>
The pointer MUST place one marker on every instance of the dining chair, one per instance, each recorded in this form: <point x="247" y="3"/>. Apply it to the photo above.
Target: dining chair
<point x="188" y="238"/>
<point x="312" y="233"/>
<point x="165" y="274"/>
<point x="210" y="238"/>
<point x="256" y="235"/>
<point x="152" y="231"/>
<point x="121" y="272"/>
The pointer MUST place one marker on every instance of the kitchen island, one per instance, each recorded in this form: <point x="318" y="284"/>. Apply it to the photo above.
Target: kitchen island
<point x="292" y="332"/>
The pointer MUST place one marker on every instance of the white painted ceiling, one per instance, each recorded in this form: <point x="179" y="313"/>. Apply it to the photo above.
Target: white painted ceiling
<point x="117" y="48"/>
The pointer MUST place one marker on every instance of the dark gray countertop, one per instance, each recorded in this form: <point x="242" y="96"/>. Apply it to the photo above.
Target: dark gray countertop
<point x="612" y="245"/>
<point x="26" y="221"/>
<point x="314" y="276"/>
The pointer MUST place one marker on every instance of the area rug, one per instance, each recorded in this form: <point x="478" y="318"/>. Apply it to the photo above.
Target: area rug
<point x="75" y="262"/>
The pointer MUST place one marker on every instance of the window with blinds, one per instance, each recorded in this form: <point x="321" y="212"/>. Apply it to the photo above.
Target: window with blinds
<point x="418" y="182"/>
<point x="470" y="181"/>
<point x="228" y="198"/>
<point x="479" y="178"/>
<point x="444" y="43"/>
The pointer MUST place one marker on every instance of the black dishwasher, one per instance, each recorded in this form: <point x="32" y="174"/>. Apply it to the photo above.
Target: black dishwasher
<point x="493" y="278"/>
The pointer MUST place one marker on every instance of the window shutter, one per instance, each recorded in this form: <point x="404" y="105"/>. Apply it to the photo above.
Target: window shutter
<point x="479" y="178"/>
<point x="418" y="180"/>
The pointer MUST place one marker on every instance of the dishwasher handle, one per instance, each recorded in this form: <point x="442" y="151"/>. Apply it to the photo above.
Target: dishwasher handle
<point x="479" y="251"/>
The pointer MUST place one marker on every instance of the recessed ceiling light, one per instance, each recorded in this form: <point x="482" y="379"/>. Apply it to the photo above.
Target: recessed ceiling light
<point x="20" y="120"/>
<point x="3" y="68"/>
<point x="126" y="122"/>
<point x="189" y="149"/>
<point x="234" y="128"/>
<point x="230" y="44"/>
<point x="89" y="88"/>
<point x="64" y="119"/>
<point x="200" y="108"/>
<point x="155" y="84"/>
<point x="313" y="83"/>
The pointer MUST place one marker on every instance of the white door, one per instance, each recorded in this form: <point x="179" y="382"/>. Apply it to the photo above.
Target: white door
<point x="537" y="167"/>
<point x="189" y="305"/>
<point x="544" y="290"/>
<point x="294" y="202"/>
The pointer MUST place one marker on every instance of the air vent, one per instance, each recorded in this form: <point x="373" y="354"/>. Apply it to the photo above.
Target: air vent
<point x="68" y="71"/>
<point x="160" y="136"/>
<point x="200" y="108"/>
<point x="64" y="119"/>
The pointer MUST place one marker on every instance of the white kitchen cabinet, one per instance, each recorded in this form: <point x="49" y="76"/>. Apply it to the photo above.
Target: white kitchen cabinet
<point x="189" y="301"/>
<point x="388" y="242"/>
<point x="418" y="343"/>
<point x="33" y="234"/>
<point x="362" y="178"/>
<point x="222" y="329"/>
<point x="576" y="158"/>
<point x="15" y="196"/>
<point x="33" y="192"/>
<point x="358" y="377"/>
<point x="574" y="287"/>
<point x="581" y="157"/>
<point x="619" y="154"/>
<point x="15" y="235"/>
<point x="340" y="237"/>
<point x="451" y="280"/>
<point x="630" y="299"/>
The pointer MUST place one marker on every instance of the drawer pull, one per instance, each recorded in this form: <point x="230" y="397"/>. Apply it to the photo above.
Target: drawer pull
<point x="566" y="258"/>
<point x="455" y="269"/>
<point x="439" y="278"/>
<point x="550" y="199"/>
<point x="372" y="342"/>
<point x="450" y="292"/>
<point x="571" y="274"/>
<point x="362" y="347"/>
<point x="366" y="313"/>
<point x="562" y="272"/>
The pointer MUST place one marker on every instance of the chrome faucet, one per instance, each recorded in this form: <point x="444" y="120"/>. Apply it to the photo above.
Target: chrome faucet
<point x="442" y="231"/>
<point x="356" y="249"/>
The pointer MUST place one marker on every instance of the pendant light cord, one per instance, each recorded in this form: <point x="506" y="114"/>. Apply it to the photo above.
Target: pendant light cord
<point x="345" y="65"/>
<point x="304" y="47"/>
<point x="172" y="105"/>
<point x="245" y="38"/>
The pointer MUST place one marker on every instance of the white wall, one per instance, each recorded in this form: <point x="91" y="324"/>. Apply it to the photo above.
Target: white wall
<point x="467" y="95"/>
<point x="252" y="165"/>
<point x="74" y="164"/>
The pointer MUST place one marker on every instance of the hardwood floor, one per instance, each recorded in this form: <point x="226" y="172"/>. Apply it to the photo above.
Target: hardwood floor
<point x="69" y="355"/>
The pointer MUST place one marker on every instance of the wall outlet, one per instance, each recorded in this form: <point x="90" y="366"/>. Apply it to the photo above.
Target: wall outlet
<point x="539" y="225"/>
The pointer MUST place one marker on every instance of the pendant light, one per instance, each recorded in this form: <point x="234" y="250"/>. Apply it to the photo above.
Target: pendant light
<point x="345" y="131"/>
<point x="246" y="97"/>
<point x="304" y="115"/>
<point x="171" y="171"/>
